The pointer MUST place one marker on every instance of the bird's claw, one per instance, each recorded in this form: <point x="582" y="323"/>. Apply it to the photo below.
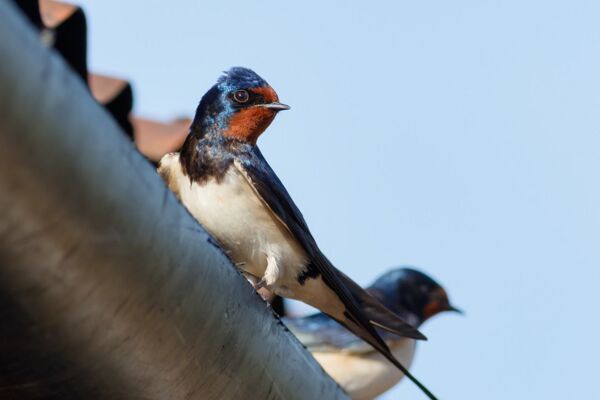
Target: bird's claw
<point x="260" y="284"/>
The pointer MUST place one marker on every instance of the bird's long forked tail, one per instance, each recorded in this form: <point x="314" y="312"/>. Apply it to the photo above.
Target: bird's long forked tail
<point x="410" y="376"/>
<point x="381" y="317"/>
<point x="381" y="347"/>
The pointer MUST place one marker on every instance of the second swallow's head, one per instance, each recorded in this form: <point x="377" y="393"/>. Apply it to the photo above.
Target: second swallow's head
<point x="406" y="290"/>
<point x="241" y="105"/>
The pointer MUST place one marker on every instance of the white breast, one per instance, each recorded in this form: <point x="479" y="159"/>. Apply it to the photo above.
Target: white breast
<point x="367" y="375"/>
<point x="231" y="211"/>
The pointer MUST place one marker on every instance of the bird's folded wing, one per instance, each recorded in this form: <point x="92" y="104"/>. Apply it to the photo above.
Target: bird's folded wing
<point x="272" y="192"/>
<point x="319" y="333"/>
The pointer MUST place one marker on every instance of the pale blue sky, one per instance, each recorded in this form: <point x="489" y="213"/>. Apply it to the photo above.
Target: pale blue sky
<point x="462" y="137"/>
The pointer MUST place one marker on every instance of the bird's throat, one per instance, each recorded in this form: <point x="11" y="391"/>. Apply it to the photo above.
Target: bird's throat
<point x="248" y="124"/>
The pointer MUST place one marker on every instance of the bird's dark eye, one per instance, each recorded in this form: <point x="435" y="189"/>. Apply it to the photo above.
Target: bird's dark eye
<point x="241" y="96"/>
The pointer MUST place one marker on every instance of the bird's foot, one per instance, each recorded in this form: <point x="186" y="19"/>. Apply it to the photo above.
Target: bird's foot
<point x="260" y="284"/>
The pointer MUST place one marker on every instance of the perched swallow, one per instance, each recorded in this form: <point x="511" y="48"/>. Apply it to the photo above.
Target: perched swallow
<point x="362" y="372"/>
<point x="225" y="182"/>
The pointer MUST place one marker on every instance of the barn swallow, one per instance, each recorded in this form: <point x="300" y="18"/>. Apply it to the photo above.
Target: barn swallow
<point x="362" y="372"/>
<point x="223" y="179"/>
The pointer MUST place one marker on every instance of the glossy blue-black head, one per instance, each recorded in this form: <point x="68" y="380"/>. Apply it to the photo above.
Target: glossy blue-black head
<point x="410" y="290"/>
<point x="238" y="78"/>
<point x="240" y="105"/>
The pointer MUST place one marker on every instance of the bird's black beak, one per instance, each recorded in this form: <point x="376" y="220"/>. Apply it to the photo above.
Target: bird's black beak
<point x="276" y="106"/>
<point x="456" y="310"/>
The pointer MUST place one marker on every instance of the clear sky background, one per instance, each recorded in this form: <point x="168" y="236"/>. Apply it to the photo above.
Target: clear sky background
<point x="462" y="137"/>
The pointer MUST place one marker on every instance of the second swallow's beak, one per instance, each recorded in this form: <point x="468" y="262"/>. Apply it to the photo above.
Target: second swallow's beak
<point x="276" y="106"/>
<point x="456" y="310"/>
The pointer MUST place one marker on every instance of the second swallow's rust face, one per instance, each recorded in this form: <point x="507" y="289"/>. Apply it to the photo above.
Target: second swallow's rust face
<point x="438" y="302"/>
